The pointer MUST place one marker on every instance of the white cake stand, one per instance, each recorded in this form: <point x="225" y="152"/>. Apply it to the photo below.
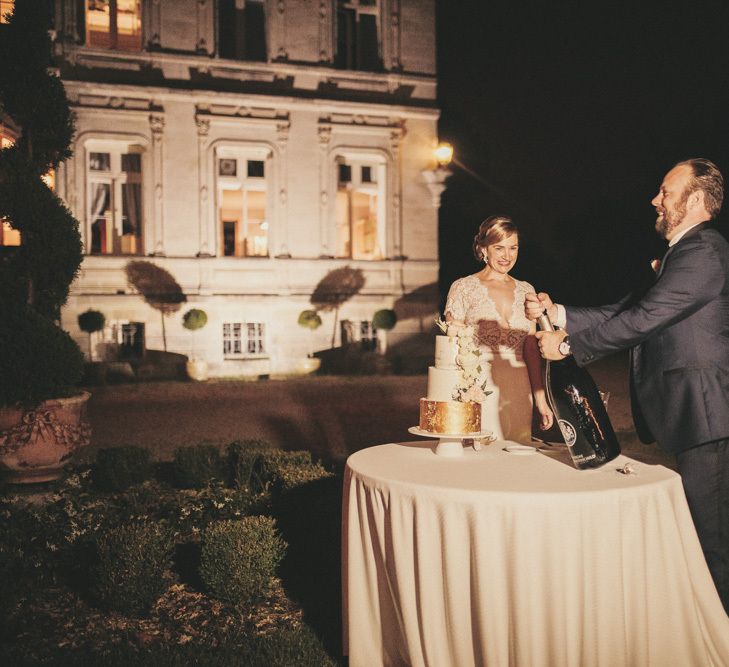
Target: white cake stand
<point x="451" y="444"/>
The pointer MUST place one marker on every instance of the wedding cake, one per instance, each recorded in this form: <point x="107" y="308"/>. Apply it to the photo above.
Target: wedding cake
<point x="453" y="401"/>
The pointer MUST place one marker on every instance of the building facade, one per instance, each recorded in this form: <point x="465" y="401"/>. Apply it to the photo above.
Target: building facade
<point x="240" y="156"/>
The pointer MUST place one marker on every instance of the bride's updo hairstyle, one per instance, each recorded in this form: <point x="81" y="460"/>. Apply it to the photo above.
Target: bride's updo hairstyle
<point x="492" y="230"/>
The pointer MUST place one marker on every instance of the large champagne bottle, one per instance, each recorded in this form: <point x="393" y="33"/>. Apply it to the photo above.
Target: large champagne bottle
<point x="579" y="411"/>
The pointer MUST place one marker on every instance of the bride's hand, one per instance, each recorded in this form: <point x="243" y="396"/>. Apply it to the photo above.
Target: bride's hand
<point x="546" y="414"/>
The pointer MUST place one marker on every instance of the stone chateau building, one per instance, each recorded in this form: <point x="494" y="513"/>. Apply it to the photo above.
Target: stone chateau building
<point x="248" y="154"/>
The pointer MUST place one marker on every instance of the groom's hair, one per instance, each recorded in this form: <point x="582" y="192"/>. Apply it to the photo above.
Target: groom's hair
<point x="492" y="230"/>
<point x="707" y="178"/>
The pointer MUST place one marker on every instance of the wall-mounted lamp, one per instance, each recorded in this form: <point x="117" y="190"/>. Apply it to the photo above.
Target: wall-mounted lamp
<point x="435" y="178"/>
<point x="443" y="154"/>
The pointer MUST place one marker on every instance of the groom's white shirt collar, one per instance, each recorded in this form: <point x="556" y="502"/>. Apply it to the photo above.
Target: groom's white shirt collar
<point x="680" y="235"/>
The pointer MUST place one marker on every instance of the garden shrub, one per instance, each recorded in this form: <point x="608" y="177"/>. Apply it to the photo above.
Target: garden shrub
<point x="191" y="511"/>
<point x="243" y="457"/>
<point x="196" y="466"/>
<point x="118" y="468"/>
<point x="286" y="647"/>
<point x="287" y="470"/>
<point x="239" y="558"/>
<point x="288" y="476"/>
<point x="282" y="648"/>
<point x="258" y="467"/>
<point x="27" y="549"/>
<point x="133" y="567"/>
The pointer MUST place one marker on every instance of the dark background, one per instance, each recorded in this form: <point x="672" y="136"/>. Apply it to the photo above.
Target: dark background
<point x="569" y="114"/>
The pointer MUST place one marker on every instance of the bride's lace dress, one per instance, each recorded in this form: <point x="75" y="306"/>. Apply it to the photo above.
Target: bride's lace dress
<point x="507" y="412"/>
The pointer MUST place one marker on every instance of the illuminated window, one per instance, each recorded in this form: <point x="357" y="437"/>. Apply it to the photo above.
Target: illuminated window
<point x="358" y="45"/>
<point x="114" y="24"/>
<point x="114" y="186"/>
<point x="360" y="209"/>
<point x="243" y="202"/>
<point x="6" y="7"/>
<point x="8" y="235"/>
<point x="242" y="29"/>
<point x="244" y="339"/>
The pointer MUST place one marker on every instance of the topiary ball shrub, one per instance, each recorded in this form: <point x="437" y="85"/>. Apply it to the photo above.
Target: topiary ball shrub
<point x="194" y="319"/>
<point x="133" y="567"/>
<point x="91" y="321"/>
<point x="309" y="319"/>
<point x="196" y="466"/>
<point x="385" y="319"/>
<point x="239" y="558"/>
<point x="118" y="468"/>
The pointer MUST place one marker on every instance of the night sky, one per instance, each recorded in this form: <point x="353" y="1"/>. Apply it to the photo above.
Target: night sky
<point x="570" y="113"/>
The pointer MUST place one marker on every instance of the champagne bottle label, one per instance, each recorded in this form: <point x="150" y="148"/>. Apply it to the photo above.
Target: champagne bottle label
<point x="568" y="432"/>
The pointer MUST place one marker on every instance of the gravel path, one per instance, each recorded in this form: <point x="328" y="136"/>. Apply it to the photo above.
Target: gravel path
<point x="328" y="415"/>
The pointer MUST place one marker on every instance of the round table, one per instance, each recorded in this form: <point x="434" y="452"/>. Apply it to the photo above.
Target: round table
<point x="496" y="558"/>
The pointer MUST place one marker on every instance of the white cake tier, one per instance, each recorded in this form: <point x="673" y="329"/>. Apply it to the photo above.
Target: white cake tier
<point x="442" y="382"/>
<point x="446" y="351"/>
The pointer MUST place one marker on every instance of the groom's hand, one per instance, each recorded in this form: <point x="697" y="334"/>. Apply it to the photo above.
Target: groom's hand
<point x="536" y="304"/>
<point x="549" y="344"/>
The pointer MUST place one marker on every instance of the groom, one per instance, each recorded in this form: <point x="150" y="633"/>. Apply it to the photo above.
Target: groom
<point x="678" y="335"/>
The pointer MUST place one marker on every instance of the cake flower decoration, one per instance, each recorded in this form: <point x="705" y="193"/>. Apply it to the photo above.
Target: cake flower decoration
<point x="468" y="361"/>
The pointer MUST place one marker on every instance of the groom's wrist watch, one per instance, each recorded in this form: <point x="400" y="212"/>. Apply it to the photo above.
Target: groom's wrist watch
<point x="564" y="347"/>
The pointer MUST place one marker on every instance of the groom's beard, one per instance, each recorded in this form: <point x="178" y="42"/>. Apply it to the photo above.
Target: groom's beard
<point x="672" y="219"/>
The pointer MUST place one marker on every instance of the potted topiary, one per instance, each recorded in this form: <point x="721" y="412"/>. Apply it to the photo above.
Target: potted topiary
<point x="90" y="322"/>
<point x="193" y="320"/>
<point x="309" y="319"/>
<point x="42" y="411"/>
<point x="383" y="321"/>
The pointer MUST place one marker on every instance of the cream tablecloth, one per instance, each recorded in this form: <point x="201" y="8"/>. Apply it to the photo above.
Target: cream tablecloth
<point x="503" y="559"/>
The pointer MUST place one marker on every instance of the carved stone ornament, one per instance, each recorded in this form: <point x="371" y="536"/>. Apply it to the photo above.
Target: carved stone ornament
<point x="35" y="444"/>
<point x="325" y="135"/>
<point x="203" y="126"/>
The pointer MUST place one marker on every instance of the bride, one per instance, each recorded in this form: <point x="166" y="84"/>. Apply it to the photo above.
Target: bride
<point x="493" y="302"/>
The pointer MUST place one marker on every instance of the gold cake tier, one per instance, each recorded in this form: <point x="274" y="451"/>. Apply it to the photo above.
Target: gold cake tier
<point x="450" y="416"/>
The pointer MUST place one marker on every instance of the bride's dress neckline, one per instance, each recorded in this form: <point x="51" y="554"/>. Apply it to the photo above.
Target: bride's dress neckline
<point x="509" y="322"/>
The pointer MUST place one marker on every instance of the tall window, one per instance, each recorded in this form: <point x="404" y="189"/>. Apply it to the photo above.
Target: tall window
<point x="242" y="203"/>
<point x="242" y="29"/>
<point x="8" y="235"/>
<point x="244" y="339"/>
<point x="114" y="24"/>
<point x="360" y="209"/>
<point x="358" y="44"/>
<point x="6" y="7"/>
<point x="114" y="180"/>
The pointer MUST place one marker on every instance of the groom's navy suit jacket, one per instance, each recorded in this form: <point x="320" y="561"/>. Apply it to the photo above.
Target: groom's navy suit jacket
<point x="678" y="334"/>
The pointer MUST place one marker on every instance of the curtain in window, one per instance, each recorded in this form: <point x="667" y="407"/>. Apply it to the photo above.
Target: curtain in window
<point x="131" y="208"/>
<point x="99" y="200"/>
<point x="100" y="204"/>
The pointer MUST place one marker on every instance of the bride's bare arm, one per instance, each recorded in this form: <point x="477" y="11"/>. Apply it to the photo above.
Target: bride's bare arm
<point x="533" y="361"/>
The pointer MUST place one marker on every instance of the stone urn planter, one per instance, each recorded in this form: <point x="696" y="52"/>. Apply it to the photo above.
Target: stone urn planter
<point x="308" y="365"/>
<point x="197" y="370"/>
<point x="35" y="444"/>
